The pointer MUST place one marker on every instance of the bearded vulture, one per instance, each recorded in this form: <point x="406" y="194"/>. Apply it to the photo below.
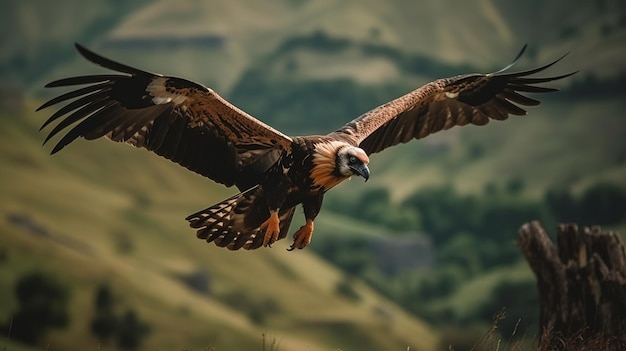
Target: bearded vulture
<point x="195" y="127"/>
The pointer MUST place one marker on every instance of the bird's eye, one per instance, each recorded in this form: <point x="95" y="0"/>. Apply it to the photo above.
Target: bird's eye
<point x="352" y="160"/>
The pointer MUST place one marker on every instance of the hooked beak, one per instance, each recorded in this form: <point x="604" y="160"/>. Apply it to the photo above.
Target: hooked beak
<point x="362" y="170"/>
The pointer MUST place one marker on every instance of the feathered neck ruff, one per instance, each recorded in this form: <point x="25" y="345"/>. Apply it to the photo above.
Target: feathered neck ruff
<point x="324" y="173"/>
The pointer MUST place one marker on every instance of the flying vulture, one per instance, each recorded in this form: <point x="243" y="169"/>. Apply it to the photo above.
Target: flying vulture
<point x="195" y="127"/>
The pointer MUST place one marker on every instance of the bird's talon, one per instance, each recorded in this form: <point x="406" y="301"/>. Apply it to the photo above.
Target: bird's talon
<point x="302" y="237"/>
<point x="271" y="227"/>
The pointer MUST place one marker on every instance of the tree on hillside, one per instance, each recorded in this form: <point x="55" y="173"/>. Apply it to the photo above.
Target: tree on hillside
<point x="43" y="305"/>
<point x="128" y="329"/>
<point x="600" y="204"/>
<point x="104" y="323"/>
<point x="131" y="330"/>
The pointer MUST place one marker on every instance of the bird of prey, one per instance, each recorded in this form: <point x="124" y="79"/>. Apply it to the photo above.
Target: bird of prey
<point x="195" y="127"/>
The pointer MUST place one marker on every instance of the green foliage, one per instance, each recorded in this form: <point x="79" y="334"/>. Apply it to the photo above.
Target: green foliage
<point x="562" y="204"/>
<point x="569" y="32"/>
<point x="590" y="86"/>
<point x="304" y="106"/>
<point x="603" y="204"/>
<point x="105" y="322"/>
<point x="445" y="215"/>
<point x="475" y="151"/>
<point x="199" y="280"/>
<point x="123" y="242"/>
<point x="4" y="255"/>
<point x="515" y="186"/>
<point x="375" y="206"/>
<point x="43" y="305"/>
<point x="600" y="204"/>
<point x="516" y="296"/>
<point x="351" y="254"/>
<point x="345" y="288"/>
<point x="104" y="326"/>
<point x="128" y="329"/>
<point x="444" y="212"/>
<point x="257" y="308"/>
<point x="441" y="282"/>
<point x="319" y="40"/>
<point x="462" y="251"/>
<point x="131" y="331"/>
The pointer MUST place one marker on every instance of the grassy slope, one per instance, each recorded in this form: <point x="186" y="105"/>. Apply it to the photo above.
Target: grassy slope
<point x="90" y="194"/>
<point x="85" y="204"/>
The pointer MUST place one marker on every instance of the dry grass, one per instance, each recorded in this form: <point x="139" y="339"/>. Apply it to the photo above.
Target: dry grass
<point x="550" y="340"/>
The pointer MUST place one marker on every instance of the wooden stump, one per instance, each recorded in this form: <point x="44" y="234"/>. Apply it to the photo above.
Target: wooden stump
<point x="582" y="286"/>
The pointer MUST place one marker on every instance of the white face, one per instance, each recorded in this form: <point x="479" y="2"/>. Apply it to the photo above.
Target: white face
<point x="352" y="160"/>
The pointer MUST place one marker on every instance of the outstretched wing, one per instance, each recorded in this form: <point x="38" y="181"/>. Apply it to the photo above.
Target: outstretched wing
<point x="176" y="118"/>
<point x="445" y="103"/>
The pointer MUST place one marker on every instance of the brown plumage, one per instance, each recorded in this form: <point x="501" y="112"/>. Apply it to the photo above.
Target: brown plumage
<point x="196" y="128"/>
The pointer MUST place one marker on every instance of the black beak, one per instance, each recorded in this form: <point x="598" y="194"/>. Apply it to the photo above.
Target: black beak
<point x="362" y="170"/>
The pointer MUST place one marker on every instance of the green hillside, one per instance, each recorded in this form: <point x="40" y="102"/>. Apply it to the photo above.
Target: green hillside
<point x="36" y="45"/>
<point x="108" y="214"/>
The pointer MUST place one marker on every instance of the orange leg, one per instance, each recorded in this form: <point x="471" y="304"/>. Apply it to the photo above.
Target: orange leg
<point x="271" y="228"/>
<point x="302" y="237"/>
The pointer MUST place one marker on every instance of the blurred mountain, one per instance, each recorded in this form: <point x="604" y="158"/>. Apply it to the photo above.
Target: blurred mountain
<point x="213" y="42"/>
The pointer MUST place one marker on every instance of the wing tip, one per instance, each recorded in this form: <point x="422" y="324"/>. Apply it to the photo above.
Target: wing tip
<point x="535" y="70"/>
<point x="513" y="63"/>
<point x="58" y="147"/>
<point x="88" y="54"/>
<point x="521" y="52"/>
<point x="108" y="63"/>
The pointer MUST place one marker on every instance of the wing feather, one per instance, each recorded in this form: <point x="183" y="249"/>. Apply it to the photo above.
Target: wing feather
<point x="91" y="98"/>
<point x="448" y="102"/>
<point x="175" y="118"/>
<point x="77" y="115"/>
<point x="72" y="94"/>
<point x="80" y="80"/>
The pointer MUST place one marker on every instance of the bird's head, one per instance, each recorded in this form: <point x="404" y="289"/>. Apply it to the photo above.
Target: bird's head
<point x="335" y="161"/>
<point x="351" y="160"/>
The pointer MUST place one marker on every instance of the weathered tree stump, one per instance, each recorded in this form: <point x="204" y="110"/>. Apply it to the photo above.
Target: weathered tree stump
<point x="582" y="286"/>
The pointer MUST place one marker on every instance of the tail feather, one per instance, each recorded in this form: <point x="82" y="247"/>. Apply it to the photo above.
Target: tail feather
<point x="227" y="224"/>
